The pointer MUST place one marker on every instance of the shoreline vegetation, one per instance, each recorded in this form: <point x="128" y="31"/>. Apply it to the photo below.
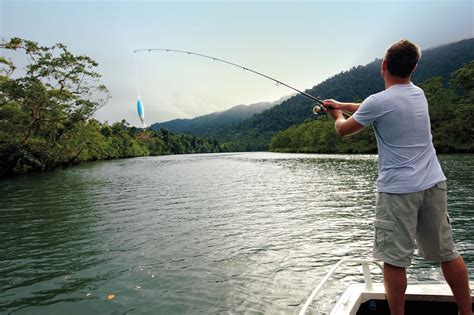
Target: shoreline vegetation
<point x="451" y="108"/>
<point x="46" y="119"/>
<point x="46" y="114"/>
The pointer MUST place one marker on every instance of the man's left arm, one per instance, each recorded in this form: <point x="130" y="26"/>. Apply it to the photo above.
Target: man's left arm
<point x="345" y="127"/>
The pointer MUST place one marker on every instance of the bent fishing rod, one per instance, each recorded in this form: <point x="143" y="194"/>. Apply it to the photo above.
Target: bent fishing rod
<point x="319" y="109"/>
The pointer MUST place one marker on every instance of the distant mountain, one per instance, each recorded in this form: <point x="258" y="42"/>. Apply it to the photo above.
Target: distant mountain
<point x="355" y="84"/>
<point x="208" y="123"/>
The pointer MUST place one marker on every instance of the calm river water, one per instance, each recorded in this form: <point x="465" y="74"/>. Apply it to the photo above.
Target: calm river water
<point x="215" y="233"/>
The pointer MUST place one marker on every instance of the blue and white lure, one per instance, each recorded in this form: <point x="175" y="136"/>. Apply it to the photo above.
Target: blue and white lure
<point x="141" y="112"/>
<point x="140" y="107"/>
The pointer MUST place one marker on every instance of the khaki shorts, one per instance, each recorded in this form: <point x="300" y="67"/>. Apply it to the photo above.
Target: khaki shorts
<point x="400" y="219"/>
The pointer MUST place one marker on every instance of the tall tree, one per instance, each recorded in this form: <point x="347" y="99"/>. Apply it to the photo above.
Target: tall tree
<point x="43" y="104"/>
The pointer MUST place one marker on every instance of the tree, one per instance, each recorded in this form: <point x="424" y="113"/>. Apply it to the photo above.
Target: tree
<point x="43" y="105"/>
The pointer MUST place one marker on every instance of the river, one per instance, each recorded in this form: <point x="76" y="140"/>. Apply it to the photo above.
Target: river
<point x="210" y="233"/>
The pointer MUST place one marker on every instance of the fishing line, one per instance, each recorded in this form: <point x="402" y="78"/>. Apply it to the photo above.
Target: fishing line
<point x="136" y="75"/>
<point x="319" y="109"/>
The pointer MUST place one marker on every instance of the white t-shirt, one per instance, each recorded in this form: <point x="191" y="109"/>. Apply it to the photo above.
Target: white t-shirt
<point x="407" y="157"/>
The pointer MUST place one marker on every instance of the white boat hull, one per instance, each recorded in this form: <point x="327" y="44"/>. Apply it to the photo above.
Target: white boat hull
<point x="426" y="294"/>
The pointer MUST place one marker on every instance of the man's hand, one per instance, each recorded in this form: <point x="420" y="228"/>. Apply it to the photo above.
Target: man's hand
<point x="334" y="108"/>
<point x="332" y="104"/>
<point x="344" y="127"/>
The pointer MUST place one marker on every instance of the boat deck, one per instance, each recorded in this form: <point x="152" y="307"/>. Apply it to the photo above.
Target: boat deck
<point x="369" y="298"/>
<point x="430" y="298"/>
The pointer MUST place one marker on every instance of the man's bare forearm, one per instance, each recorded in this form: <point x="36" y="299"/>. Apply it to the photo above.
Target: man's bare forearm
<point x="345" y="107"/>
<point x="350" y="107"/>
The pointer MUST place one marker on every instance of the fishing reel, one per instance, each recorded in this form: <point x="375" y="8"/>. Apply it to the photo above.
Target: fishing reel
<point x="319" y="110"/>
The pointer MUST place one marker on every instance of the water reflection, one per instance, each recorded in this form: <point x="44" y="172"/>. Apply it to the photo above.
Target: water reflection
<point x="46" y="234"/>
<point x="211" y="233"/>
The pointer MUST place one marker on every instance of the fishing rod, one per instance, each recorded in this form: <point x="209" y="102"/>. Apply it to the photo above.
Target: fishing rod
<point x="319" y="109"/>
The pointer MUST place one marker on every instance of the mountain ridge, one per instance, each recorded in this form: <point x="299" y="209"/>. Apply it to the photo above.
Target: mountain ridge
<point x="255" y="132"/>
<point x="355" y="84"/>
<point x="205" y="123"/>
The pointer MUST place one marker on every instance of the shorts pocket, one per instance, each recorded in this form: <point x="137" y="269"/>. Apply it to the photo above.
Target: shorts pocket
<point x="383" y="233"/>
<point x="442" y="185"/>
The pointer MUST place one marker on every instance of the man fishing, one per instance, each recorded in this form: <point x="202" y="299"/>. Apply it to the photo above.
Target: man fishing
<point x="412" y="191"/>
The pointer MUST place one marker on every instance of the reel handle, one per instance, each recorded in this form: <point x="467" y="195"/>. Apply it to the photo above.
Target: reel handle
<point x="320" y="110"/>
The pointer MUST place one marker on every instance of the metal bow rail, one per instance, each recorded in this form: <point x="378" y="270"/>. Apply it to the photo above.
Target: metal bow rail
<point x="365" y="270"/>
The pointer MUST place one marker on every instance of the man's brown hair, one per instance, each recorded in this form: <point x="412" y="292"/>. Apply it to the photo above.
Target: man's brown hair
<point x="402" y="58"/>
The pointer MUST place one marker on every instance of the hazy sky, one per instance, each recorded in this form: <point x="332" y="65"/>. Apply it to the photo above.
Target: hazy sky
<point x="300" y="43"/>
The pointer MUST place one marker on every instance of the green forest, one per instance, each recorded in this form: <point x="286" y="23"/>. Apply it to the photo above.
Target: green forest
<point x="451" y="108"/>
<point x="46" y="114"/>
<point x="47" y="108"/>
<point x="357" y="83"/>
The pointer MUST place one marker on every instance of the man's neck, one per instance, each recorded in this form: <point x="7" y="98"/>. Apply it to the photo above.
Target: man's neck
<point x="390" y="81"/>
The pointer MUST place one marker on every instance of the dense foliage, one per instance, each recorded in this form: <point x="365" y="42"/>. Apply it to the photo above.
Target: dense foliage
<point x="359" y="82"/>
<point x="451" y="108"/>
<point x="46" y="110"/>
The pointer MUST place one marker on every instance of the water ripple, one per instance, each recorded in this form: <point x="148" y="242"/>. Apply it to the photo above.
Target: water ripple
<point x="212" y="233"/>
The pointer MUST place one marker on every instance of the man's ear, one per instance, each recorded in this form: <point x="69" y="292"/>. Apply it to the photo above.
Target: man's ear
<point x="383" y="68"/>
<point x="384" y="65"/>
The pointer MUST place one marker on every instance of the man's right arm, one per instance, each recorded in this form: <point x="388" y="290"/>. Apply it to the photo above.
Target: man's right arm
<point x="346" y="107"/>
